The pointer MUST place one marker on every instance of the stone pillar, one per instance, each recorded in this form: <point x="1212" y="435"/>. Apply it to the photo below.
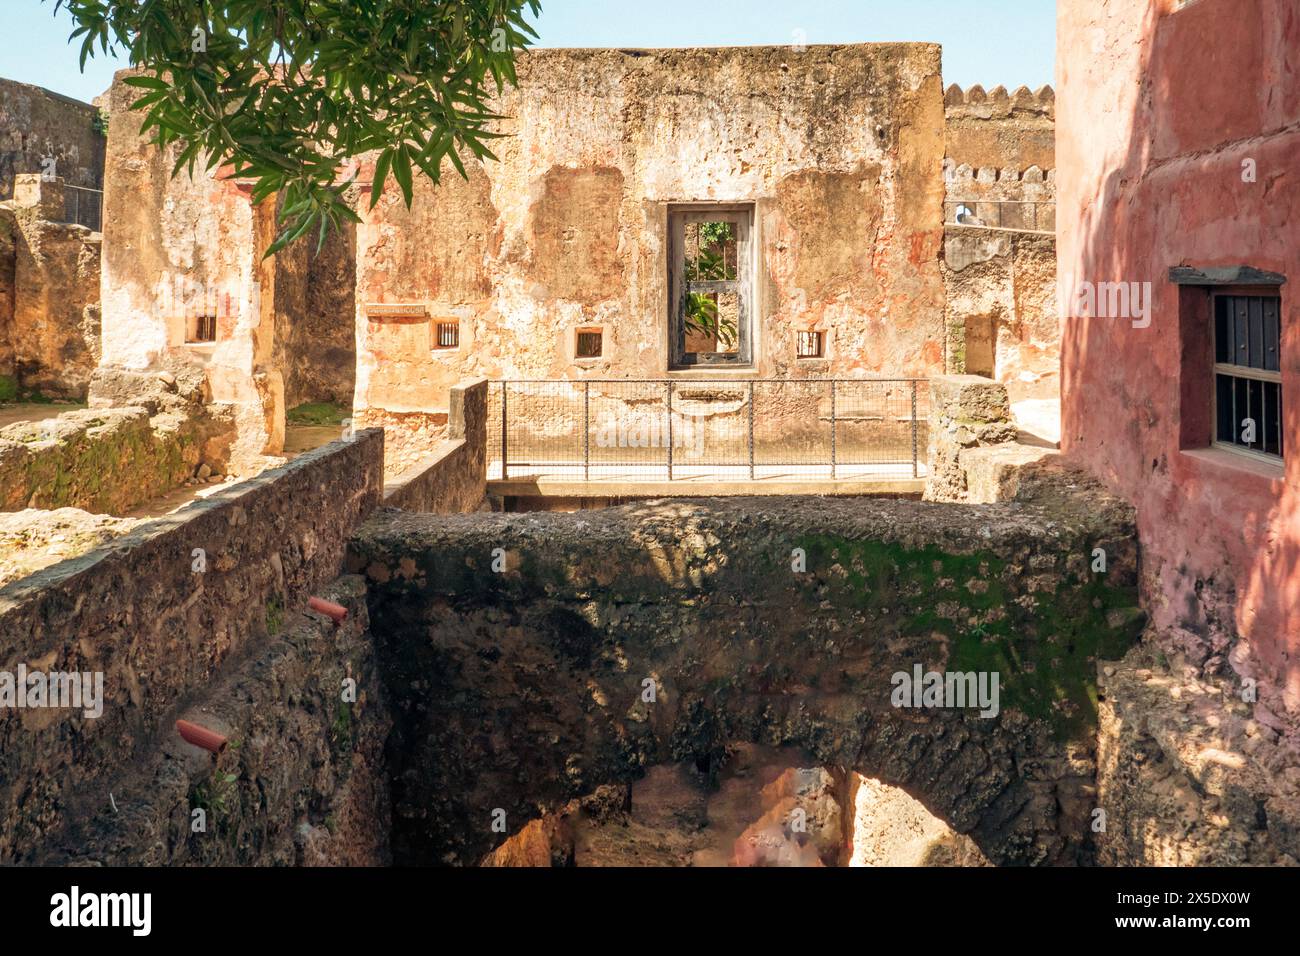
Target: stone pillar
<point x="467" y="420"/>
<point x="966" y="411"/>
<point x="42" y="195"/>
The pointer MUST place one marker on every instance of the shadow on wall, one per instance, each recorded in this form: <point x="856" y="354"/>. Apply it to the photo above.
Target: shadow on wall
<point x="1221" y="541"/>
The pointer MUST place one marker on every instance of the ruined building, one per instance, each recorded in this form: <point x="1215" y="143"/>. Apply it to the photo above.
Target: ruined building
<point x="714" y="275"/>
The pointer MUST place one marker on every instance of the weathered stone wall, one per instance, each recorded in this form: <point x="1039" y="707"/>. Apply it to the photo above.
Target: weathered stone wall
<point x="1000" y="172"/>
<point x="144" y="435"/>
<point x="838" y="148"/>
<point x="176" y="249"/>
<point x="1001" y="308"/>
<point x="49" y="295"/>
<point x="9" y="239"/>
<point x="999" y="130"/>
<point x="160" y="627"/>
<point x="454" y="479"/>
<point x="1186" y="775"/>
<point x="36" y="124"/>
<point x="106" y="461"/>
<point x="303" y="782"/>
<point x="315" y="328"/>
<point x="521" y="687"/>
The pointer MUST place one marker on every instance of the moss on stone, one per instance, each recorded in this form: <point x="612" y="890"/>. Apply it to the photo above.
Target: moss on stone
<point x="1045" y="653"/>
<point x="315" y="413"/>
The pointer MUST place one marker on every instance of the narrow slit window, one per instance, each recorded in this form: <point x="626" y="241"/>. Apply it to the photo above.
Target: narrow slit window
<point x="448" y="335"/>
<point x="590" y="343"/>
<point x="809" y="345"/>
<point x="1247" y="374"/>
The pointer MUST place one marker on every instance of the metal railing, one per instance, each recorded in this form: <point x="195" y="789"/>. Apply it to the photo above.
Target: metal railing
<point x="83" y="206"/>
<point x="708" y="429"/>
<point x="1020" y="215"/>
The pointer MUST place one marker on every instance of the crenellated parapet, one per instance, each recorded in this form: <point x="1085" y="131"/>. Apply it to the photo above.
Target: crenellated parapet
<point x="990" y="184"/>
<point x="989" y="175"/>
<point x="997" y="100"/>
<point x="994" y="131"/>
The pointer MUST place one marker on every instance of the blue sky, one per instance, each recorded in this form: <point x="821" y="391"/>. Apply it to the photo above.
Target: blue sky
<point x="1011" y="42"/>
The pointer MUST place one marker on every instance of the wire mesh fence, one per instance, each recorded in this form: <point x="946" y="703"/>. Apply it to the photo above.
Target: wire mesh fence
<point x="662" y="430"/>
<point x="83" y="206"/>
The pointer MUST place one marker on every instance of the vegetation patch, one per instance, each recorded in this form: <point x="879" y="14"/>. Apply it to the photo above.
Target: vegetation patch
<point x="316" y="413"/>
<point x="1044" y="645"/>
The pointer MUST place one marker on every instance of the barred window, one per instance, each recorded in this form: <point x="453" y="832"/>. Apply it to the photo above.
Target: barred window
<point x="1248" y="373"/>
<point x="448" y="336"/>
<point x="589" y="344"/>
<point x="809" y="344"/>
<point x="203" y="328"/>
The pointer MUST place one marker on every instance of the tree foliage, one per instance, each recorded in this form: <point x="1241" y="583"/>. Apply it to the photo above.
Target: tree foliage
<point x="289" y="92"/>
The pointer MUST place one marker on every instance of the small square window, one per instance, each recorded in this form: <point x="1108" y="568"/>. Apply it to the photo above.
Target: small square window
<point x="447" y="335"/>
<point x="203" y="328"/>
<point x="589" y="344"/>
<point x="809" y="344"/>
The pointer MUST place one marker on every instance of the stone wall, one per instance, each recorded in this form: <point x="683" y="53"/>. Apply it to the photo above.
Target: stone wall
<point x="179" y="248"/>
<point x="161" y="625"/>
<point x="9" y="240"/>
<point x="997" y="129"/>
<point x="49" y="295"/>
<point x="315" y="332"/>
<point x="303" y="782"/>
<point x="1001" y="308"/>
<point x="1186" y="775"/>
<point x="37" y="124"/>
<point x="454" y="478"/>
<point x="839" y="149"/>
<point x="517" y="651"/>
<point x="106" y="461"/>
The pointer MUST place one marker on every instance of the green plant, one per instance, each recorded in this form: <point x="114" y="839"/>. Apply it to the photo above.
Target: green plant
<point x="290" y="92"/>
<point x="99" y="123"/>
<point x="214" y="795"/>
<point x="274" y="615"/>
<point x="8" y="388"/>
<point x="316" y="413"/>
<point x="709" y="265"/>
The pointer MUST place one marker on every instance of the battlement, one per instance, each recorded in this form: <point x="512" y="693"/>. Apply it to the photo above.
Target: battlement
<point x="1043" y="100"/>
<point x="1032" y="175"/>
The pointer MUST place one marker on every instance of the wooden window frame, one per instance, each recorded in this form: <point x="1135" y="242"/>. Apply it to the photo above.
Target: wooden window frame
<point x="741" y="215"/>
<point x="1245" y="372"/>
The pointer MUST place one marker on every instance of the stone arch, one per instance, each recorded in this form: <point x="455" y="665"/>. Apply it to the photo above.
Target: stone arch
<point x="495" y="708"/>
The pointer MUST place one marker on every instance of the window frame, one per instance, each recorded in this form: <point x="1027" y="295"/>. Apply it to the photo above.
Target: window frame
<point x="1245" y="372"/>
<point x="578" y="333"/>
<point x="742" y="215"/>
<point x="437" y="335"/>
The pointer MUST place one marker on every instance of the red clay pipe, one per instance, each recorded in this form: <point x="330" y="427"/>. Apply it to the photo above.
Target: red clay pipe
<point x="337" y="612"/>
<point x="201" y="736"/>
